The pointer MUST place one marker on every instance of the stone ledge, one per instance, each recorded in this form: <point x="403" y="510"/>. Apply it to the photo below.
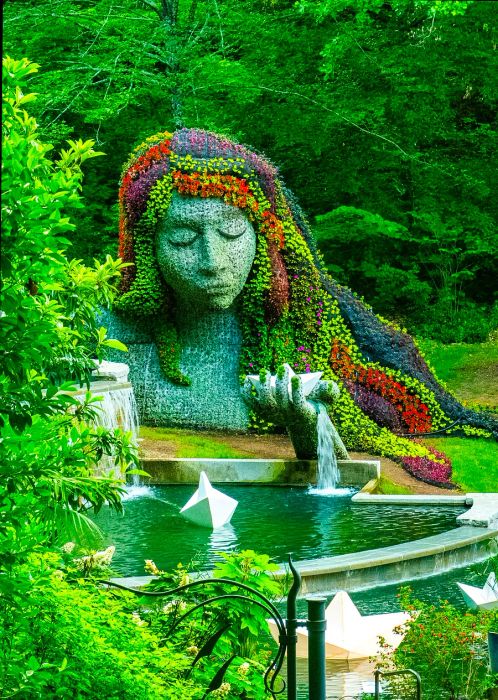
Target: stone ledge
<point x="415" y="500"/>
<point x="385" y="566"/>
<point x="484" y="511"/>
<point x="403" y="562"/>
<point x="255" y="471"/>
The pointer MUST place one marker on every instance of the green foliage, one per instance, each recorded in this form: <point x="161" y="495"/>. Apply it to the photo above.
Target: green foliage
<point x="245" y="630"/>
<point x="448" y="648"/>
<point x="76" y="639"/>
<point x="50" y="447"/>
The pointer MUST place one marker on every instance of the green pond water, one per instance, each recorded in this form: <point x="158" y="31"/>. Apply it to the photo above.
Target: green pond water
<point x="270" y="520"/>
<point x="276" y="521"/>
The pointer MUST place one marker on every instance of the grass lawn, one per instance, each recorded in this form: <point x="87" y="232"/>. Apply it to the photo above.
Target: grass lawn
<point x="469" y="371"/>
<point x="386" y="486"/>
<point x="474" y="460"/>
<point x="189" y="443"/>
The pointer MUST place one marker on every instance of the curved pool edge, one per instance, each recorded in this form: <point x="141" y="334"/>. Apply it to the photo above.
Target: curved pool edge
<point x="385" y="566"/>
<point x="395" y="564"/>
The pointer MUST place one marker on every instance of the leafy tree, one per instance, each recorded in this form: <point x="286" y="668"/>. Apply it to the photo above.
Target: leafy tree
<point x="389" y="108"/>
<point x="49" y="445"/>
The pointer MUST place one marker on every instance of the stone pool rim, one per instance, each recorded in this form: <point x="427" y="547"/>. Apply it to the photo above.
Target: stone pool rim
<point x="252" y="471"/>
<point x="374" y="568"/>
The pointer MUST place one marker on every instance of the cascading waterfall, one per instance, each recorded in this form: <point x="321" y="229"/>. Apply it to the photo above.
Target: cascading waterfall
<point x="118" y="408"/>
<point x="328" y="472"/>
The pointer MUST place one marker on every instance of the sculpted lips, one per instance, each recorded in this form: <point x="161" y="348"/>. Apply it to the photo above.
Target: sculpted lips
<point x="217" y="289"/>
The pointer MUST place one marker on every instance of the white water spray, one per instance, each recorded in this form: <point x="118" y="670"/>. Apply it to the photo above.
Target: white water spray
<point x="328" y="471"/>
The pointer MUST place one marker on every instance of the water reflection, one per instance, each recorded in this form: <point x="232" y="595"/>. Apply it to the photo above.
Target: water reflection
<point x="269" y="520"/>
<point x="224" y="539"/>
<point x="344" y="679"/>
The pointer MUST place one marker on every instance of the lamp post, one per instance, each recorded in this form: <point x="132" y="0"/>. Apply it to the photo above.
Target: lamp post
<point x="316" y="647"/>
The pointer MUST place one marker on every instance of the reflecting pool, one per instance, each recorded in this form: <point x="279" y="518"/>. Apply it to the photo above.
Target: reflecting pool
<point x="271" y="520"/>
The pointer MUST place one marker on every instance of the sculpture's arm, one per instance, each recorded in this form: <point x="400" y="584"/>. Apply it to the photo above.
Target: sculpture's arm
<point x="293" y="409"/>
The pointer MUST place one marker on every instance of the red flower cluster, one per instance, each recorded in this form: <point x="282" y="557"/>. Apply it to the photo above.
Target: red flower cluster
<point x="232" y="190"/>
<point x="414" y="413"/>
<point x="153" y="155"/>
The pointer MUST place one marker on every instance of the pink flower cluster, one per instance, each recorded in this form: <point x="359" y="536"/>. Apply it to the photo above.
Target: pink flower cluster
<point x="426" y="469"/>
<point x="304" y="358"/>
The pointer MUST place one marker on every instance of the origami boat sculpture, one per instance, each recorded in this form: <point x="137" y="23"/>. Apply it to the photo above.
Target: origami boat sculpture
<point x="308" y="381"/>
<point x="350" y="635"/>
<point x="485" y="598"/>
<point x="208" y="507"/>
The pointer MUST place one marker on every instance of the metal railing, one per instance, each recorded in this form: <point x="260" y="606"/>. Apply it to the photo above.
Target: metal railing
<point x="402" y="672"/>
<point x="287" y="635"/>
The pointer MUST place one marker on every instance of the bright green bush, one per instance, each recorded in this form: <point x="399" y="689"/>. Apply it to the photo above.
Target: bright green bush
<point x="447" y="647"/>
<point x="50" y="445"/>
<point x="245" y="644"/>
<point x="48" y="333"/>
<point x="77" y="640"/>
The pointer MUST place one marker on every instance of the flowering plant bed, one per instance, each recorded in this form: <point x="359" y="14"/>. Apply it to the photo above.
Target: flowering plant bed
<point x="434" y="470"/>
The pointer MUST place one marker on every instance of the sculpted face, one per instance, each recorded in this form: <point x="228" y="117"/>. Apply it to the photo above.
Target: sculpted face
<point x="205" y="249"/>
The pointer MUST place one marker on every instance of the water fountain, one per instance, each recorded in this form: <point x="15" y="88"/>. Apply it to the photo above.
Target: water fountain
<point x="117" y="408"/>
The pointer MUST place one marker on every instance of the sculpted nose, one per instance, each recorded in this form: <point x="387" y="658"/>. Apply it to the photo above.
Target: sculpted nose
<point x="212" y="255"/>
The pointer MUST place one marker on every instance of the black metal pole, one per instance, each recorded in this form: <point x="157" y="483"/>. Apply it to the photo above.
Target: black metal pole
<point x="493" y="651"/>
<point x="377" y="684"/>
<point x="316" y="648"/>
<point x="292" y="633"/>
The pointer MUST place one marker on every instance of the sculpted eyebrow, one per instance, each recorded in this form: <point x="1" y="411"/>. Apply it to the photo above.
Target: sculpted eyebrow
<point x="182" y="221"/>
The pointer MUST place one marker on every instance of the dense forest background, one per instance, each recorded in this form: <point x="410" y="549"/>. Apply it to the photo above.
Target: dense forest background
<point x="380" y="115"/>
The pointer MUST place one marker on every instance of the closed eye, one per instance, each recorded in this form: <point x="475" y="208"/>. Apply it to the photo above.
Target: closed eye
<point x="233" y="230"/>
<point x="182" y="236"/>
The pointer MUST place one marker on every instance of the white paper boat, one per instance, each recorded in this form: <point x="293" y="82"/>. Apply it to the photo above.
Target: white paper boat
<point x="485" y="598"/>
<point x="208" y="507"/>
<point x="350" y="635"/>
<point x="308" y="381"/>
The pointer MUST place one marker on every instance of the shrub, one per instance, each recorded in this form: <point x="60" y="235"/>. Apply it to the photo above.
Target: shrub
<point x="76" y="639"/>
<point x="433" y="471"/>
<point x="447" y="647"/>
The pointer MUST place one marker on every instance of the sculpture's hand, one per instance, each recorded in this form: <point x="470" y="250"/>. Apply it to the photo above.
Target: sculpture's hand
<point x="282" y="400"/>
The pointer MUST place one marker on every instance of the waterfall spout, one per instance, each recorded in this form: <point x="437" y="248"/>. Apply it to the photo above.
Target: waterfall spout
<point x="328" y="441"/>
<point x="328" y="472"/>
<point x="118" y="408"/>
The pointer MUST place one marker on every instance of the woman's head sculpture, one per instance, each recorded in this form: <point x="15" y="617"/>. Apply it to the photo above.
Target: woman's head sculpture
<point x="208" y="224"/>
<point x="199" y="165"/>
<point x="183" y="193"/>
<point x="205" y="250"/>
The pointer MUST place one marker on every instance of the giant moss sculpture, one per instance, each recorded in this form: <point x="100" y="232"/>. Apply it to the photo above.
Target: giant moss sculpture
<point x="290" y="310"/>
